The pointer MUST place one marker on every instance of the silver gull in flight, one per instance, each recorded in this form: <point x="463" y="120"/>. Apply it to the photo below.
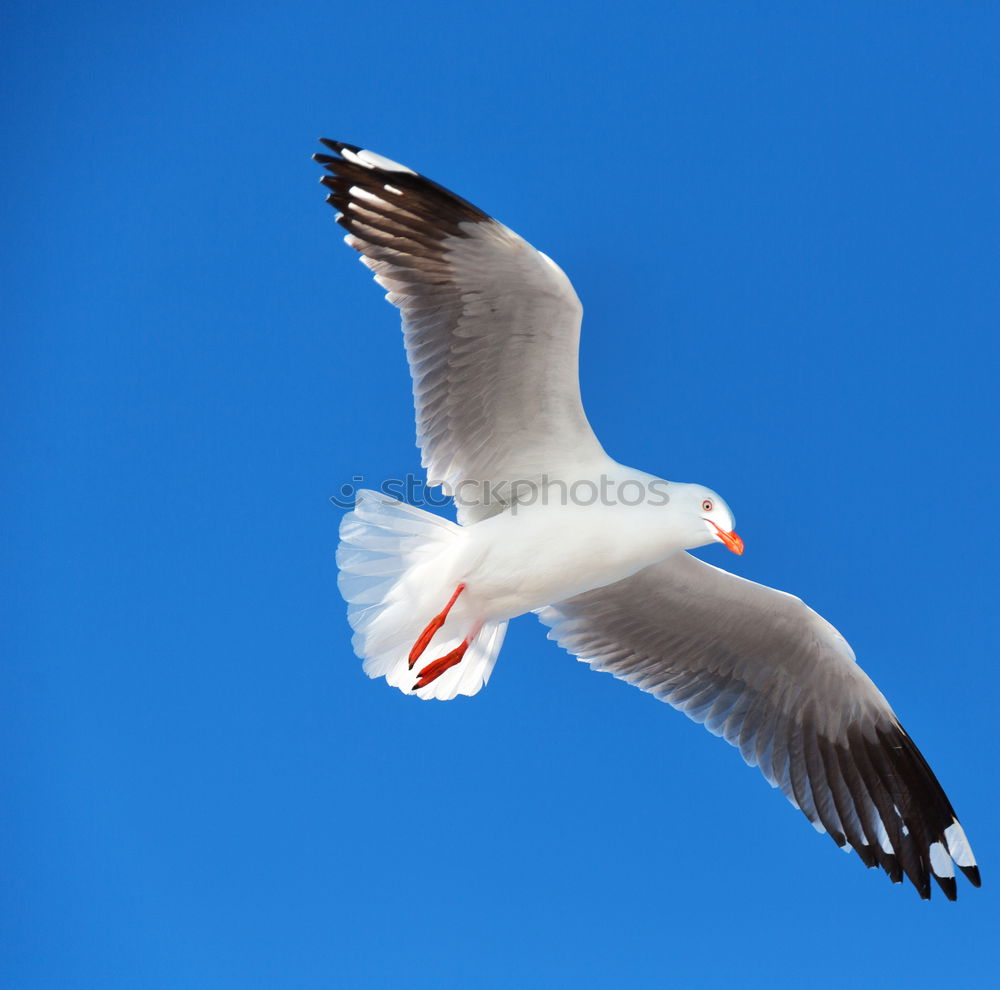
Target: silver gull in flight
<point x="549" y="523"/>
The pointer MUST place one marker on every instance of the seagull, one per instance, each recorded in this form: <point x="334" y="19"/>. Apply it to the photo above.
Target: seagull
<point x="549" y="523"/>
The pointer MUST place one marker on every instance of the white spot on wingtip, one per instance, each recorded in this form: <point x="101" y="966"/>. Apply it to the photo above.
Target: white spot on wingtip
<point x="392" y="189"/>
<point x="940" y="861"/>
<point x="883" y="839"/>
<point x="958" y="845"/>
<point x="371" y="159"/>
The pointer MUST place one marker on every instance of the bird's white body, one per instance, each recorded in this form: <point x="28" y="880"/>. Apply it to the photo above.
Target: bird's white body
<point x="547" y="548"/>
<point x="548" y="551"/>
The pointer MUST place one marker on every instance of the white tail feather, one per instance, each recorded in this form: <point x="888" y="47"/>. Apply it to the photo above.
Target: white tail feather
<point x="394" y="576"/>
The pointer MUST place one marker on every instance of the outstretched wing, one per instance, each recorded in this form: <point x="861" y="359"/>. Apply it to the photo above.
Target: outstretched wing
<point x="491" y="326"/>
<point x="775" y="679"/>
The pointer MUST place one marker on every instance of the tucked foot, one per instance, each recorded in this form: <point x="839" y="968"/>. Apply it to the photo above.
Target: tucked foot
<point x="432" y="627"/>
<point x="435" y="669"/>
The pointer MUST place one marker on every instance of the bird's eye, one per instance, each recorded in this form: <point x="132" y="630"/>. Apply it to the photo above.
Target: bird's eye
<point x="707" y="505"/>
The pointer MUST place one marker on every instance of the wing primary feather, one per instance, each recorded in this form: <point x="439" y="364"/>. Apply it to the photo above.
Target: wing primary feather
<point x="820" y="786"/>
<point x="843" y="802"/>
<point x="883" y="808"/>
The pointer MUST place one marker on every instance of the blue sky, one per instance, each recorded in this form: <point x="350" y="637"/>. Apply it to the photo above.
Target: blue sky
<point x="782" y="221"/>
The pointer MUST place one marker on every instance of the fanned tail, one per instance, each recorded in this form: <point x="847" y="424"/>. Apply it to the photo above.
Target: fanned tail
<point x="393" y="575"/>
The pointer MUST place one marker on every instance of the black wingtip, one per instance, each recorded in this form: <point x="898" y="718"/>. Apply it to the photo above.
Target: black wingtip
<point x="890" y="863"/>
<point x="339" y="146"/>
<point x="949" y="886"/>
<point x="972" y="875"/>
<point x="429" y="211"/>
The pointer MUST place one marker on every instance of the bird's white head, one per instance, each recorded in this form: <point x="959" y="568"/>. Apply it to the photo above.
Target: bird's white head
<point x="710" y="517"/>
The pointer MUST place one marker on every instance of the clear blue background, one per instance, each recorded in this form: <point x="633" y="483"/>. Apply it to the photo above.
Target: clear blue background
<point x="783" y="222"/>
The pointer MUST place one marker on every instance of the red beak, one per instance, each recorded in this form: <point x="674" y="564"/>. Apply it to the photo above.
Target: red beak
<point x="731" y="540"/>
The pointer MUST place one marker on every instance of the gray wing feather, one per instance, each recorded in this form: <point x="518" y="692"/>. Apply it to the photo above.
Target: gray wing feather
<point x="491" y="327"/>
<point x="776" y="680"/>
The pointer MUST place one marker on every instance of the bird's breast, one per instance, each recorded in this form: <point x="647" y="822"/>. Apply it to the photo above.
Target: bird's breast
<point x="536" y="555"/>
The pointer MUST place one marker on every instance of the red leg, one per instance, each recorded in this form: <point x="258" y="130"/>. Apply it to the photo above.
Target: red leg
<point x="435" y="669"/>
<point x="432" y="627"/>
